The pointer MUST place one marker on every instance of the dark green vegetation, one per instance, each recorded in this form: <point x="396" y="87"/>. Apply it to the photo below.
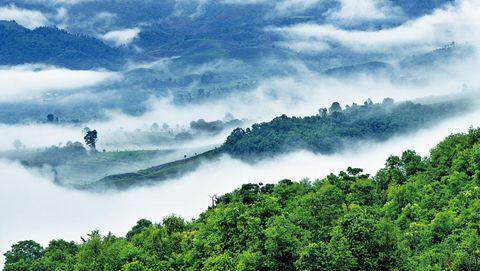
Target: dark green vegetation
<point x="330" y="131"/>
<point x="414" y="214"/>
<point x="19" y="45"/>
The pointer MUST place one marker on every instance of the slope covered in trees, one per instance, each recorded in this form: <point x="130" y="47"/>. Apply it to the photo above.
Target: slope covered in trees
<point x="330" y="131"/>
<point x="19" y="45"/>
<point x="335" y="129"/>
<point x="414" y="214"/>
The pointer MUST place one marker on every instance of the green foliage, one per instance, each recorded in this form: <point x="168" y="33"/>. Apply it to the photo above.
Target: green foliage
<point x="24" y="256"/>
<point x="414" y="214"/>
<point x="327" y="133"/>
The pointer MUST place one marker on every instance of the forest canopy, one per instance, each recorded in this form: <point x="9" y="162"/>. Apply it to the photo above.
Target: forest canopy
<point x="335" y="128"/>
<point x="414" y="214"/>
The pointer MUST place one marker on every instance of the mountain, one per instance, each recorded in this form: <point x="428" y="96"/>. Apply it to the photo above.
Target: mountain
<point x="439" y="56"/>
<point x="199" y="31"/>
<point x="53" y="46"/>
<point x="414" y="214"/>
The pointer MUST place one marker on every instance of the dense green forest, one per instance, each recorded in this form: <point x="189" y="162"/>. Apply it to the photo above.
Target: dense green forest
<point x="414" y="214"/>
<point x="330" y="131"/>
<point x="334" y="129"/>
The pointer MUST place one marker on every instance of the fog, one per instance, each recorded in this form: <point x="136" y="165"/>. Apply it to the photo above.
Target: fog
<point x="352" y="10"/>
<point x="34" y="208"/>
<point x="121" y="37"/>
<point x="300" y="94"/>
<point x="31" y="82"/>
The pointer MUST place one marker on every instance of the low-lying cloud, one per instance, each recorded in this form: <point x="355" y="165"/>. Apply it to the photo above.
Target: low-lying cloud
<point x="300" y="94"/>
<point x="121" y="37"/>
<point x="39" y="210"/>
<point x="30" y="82"/>
<point x="28" y="18"/>
<point x="354" y="11"/>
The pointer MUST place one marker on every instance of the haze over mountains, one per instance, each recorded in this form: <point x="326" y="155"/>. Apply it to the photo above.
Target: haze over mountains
<point x="164" y="81"/>
<point x="197" y="51"/>
<point x="52" y="46"/>
<point x="195" y="31"/>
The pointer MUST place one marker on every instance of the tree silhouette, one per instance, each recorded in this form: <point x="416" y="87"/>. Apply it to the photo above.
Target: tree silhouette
<point x="91" y="139"/>
<point x="335" y="108"/>
<point x="50" y="118"/>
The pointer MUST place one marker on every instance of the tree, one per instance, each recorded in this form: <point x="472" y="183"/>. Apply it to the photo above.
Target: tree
<point x="89" y="254"/>
<point x="335" y="107"/>
<point x="59" y="255"/>
<point x="427" y="221"/>
<point x="142" y="224"/>
<point x="50" y="118"/>
<point x="91" y="139"/>
<point x="282" y="243"/>
<point x="24" y="256"/>
<point x="322" y="112"/>
<point x="155" y="127"/>
<point x="326" y="257"/>
<point x="388" y="102"/>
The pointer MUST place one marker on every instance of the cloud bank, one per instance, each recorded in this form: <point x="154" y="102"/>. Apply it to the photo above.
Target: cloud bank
<point x="39" y="210"/>
<point x="300" y="94"/>
<point x="30" y="82"/>
<point x="354" y="10"/>
<point x="28" y="18"/>
<point x="458" y="23"/>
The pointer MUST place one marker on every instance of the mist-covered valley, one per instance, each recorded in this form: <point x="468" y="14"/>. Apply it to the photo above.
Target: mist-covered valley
<point x="114" y="111"/>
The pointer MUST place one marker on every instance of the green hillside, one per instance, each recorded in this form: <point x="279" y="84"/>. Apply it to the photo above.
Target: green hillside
<point x="414" y="214"/>
<point x="328" y="132"/>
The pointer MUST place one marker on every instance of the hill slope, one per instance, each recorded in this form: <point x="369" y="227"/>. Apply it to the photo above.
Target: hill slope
<point x="414" y="214"/>
<point x="325" y="133"/>
<point x="19" y="45"/>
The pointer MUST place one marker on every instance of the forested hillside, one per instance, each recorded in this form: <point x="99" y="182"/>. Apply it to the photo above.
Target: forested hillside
<point x="48" y="45"/>
<point x="414" y="214"/>
<point x="332" y="130"/>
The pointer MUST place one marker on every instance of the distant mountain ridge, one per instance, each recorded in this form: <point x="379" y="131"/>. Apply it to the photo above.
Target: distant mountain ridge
<point x="198" y="32"/>
<point x="53" y="46"/>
